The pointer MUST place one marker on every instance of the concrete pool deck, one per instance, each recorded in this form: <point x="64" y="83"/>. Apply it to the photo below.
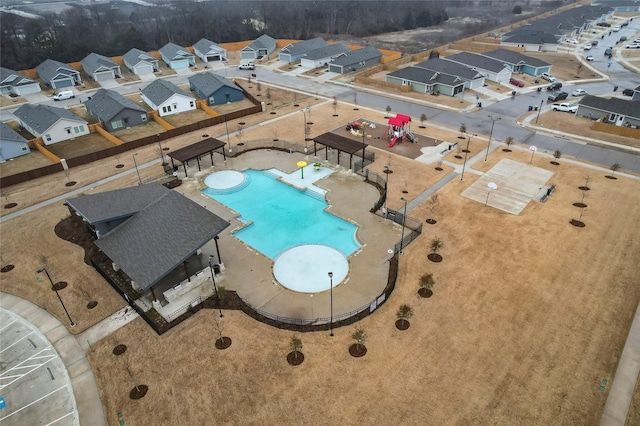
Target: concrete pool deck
<point x="251" y="274"/>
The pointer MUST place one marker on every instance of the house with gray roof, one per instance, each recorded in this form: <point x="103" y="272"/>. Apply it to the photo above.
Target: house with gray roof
<point x="114" y="110"/>
<point x="208" y="51"/>
<point x="323" y="55"/>
<point x="472" y="79"/>
<point x="16" y="84"/>
<point x="148" y="231"/>
<point x="293" y="52"/>
<point x="50" y="123"/>
<point x="355" y="60"/>
<point x="12" y="145"/>
<point x="139" y="62"/>
<point x="214" y="88"/>
<point x="100" y="68"/>
<point x="520" y="63"/>
<point x="620" y="112"/>
<point x="167" y="98"/>
<point x="426" y="81"/>
<point x="177" y="57"/>
<point x="262" y="46"/>
<point x="58" y="75"/>
<point x="490" y="68"/>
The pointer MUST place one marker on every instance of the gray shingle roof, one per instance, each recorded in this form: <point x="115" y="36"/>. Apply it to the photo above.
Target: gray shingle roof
<point x="422" y="75"/>
<point x="449" y="67"/>
<point x="94" y="62"/>
<point x="159" y="91"/>
<point x="209" y="83"/>
<point x="535" y="37"/>
<point x="327" y="51"/>
<point x="108" y="104"/>
<point x="13" y="78"/>
<point x="135" y="56"/>
<point x="356" y="56"/>
<point x="512" y="57"/>
<point x="173" y="51"/>
<point x="160" y="237"/>
<point x="304" y="46"/>
<point x="624" y="107"/>
<point x="206" y="46"/>
<point x="8" y="134"/>
<point x="477" y="61"/>
<point x="49" y="69"/>
<point x="262" y="42"/>
<point x="41" y="117"/>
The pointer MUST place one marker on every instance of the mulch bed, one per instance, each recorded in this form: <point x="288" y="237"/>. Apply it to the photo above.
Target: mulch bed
<point x="434" y="257"/>
<point x="584" y="188"/>
<point x="431" y="221"/>
<point x="223" y="343"/>
<point x="555" y="163"/>
<point x="577" y="223"/>
<point x="138" y="392"/>
<point x="10" y="205"/>
<point x="119" y="166"/>
<point x="119" y="349"/>
<point x="581" y="205"/>
<point x="611" y="177"/>
<point x="73" y="182"/>
<point x="7" y="268"/>
<point x="402" y="324"/>
<point x="295" y="358"/>
<point x="357" y="351"/>
<point x="92" y="304"/>
<point x="59" y="285"/>
<point x="439" y="169"/>
<point x="506" y="150"/>
<point x="425" y="292"/>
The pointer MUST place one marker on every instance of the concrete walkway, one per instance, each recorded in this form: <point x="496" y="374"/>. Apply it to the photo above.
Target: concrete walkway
<point x="83" y="382"/>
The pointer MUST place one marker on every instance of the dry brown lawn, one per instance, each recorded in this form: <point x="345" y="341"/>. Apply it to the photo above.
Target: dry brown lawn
<point x="80" y="146"/>
<point x="529" y="313"/>
<point x="185" y="118"/>
<point x="138" y="132"/>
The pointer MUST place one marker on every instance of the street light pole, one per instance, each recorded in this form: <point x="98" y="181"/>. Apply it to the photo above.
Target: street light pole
<point x="304" y="112"/>
<point x="71" y="323"/>
<point x="363" y="135"/>
<point x="215" y="287"/>
<point x="404" y="215"/>
<point x="386" y="189"/>
<point x="331" y="303"/>
<point x="493" y="122"/>
<point x="465" y="157"/>
<point x="136" y="164"/>
<point x="539" y="109"/>
<point x="226" y="126"/>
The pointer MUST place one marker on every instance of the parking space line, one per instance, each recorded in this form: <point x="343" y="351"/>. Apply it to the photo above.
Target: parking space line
<point x="11" y="322"/>
<point x="37" y="400"/>
<point x="16" y="342"/>
<point x="22" y="366"/>
<point x="60" y="418"/>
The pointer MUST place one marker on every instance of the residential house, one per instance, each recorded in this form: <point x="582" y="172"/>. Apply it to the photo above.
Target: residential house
<point x="215" y="89"/>
<point x="472" y="79"/>
<point x="58" y="75"/>
<point x="50" y="123"/>
<point x="356" y="60"/>
<point x="520" y="63"/>
<point x="177" y="57"/>
<point x="208" y="51"/>
<point x="144" y="231"/>
<point x="293" y="52"/>
<point x="620" y="112"/>
<point x="140" y="62"/>
<point x="323" y="55"/>
<point x="167" y="98"/>
<point x="114" y="110"/>
<point x="532" y="40"/>
<point x="12" y="145"/>
<point x="427" y="81"/>
<point x="262" y="46"/>
<point x="16" y="84"/>
<point x="100" y="68"/>
<point x="490" y="68"/>
<point x="636" y="94"/>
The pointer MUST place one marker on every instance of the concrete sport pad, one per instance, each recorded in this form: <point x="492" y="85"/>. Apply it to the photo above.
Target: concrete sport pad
<point x="517" y="184"/>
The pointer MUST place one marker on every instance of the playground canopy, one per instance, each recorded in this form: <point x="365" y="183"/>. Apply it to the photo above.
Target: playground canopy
<point x="399" y="120"/>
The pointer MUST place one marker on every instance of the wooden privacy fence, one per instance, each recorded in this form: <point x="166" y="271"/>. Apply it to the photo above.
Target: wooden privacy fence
<point x="615" y="130"/>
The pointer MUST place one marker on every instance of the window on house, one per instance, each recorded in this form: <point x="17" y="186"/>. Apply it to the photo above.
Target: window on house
<point x="68" y="130"/>
<point x="143" y="117"/>
<point x="78" y="129"/>
<point x="166" y="108"/>
<point x="47" y="137"/>
<point x="24" y="147"/>
<point x="405" y="82"/>
<point x="191" y="104"/>
<point x="175" y="106"/>
<point x="116" y="124"/>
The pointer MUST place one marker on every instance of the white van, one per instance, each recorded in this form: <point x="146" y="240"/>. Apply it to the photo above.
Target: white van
<point x="68" y="94"/>
<point x="247" y="66"/>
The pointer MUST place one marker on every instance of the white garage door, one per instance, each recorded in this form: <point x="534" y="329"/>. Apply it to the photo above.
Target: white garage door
<point x="103" y="76"/>
<point x="144" y="69"/>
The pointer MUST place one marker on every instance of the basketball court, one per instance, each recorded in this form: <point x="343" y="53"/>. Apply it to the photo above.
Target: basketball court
<point x="509" y="186"/>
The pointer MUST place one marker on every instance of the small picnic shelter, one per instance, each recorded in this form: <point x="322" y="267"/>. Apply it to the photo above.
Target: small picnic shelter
<point x="341" y="144"/>
<point x="196" y="150"/>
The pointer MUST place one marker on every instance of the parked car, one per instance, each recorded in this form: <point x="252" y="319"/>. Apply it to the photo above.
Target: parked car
<point x="558" y="96"/>
<point x="565" y="107"/>
<point x="579" y="92"/>
<point x="548" y="77"/>
<point x="603" y="24"/>
<point x="627" y="92"/>
<point x="589" y="58"/>
<point x="247" y="66"/>
<point x="587" y="47"/>
<point x="633" y="46"/>
<point x="636" y="40"/>
<point x="616" y="28"/>
<point x="572" y="41"/>
<point x="67" y="94"/>
<point x="608" y="51"/>
<point x="623" y="38"/>
<point x="594" y="43"/>
<point x="517" y="83"/>
<point x="554" y="86"/>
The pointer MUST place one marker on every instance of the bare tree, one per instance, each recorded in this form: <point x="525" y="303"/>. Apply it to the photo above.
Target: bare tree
<point x="295" y="344"/>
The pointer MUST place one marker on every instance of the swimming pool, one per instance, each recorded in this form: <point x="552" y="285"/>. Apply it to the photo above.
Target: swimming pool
<point x="281" y="217"/>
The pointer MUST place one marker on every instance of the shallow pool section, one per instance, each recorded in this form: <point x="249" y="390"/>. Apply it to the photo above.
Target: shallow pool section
<point x="306" y="268"/>
<point x="281" y="217"/>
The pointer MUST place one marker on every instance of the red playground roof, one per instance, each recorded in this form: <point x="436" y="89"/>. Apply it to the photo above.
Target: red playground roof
<point x="399" y="120"/>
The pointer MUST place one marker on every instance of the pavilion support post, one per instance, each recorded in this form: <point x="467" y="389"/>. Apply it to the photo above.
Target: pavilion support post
<point x="153" y="294"/>
<point x="184" y="166"/>
<point x="198" y="161"/>
<point x="186" y="270"/>
<point x="224" y="155"/>
<point x="211" y="155"/>
<point x="173" y="166"/>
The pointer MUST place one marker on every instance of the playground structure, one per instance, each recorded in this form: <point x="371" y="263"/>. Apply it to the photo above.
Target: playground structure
<point x="357" y="128"/>
<point x="399" y="129"/>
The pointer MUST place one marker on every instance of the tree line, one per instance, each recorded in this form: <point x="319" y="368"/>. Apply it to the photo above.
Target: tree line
<point x="72" y="34"/>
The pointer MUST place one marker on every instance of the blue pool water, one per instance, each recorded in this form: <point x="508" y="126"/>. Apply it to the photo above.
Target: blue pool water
<point x="284" y="217"/>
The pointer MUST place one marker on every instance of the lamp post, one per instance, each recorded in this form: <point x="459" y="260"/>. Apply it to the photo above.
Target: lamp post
<point x="363" y="135"/>
<point x="493" y="122"/>
<point x="71" y="323"/>
<point x="331" y="303"/>
<point x="136" y="164"/>
<point x="215" y="239"/>
<point x="161" y="151"/>
<point x="465" y="157"/>
<point x="539" y="109"/>
<point x="226" y="126"/>
<point x="215" y="287"/>
<point x="491" y="186"/>
<point x="404" y="215"/>
<point x="304" y="113"/>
